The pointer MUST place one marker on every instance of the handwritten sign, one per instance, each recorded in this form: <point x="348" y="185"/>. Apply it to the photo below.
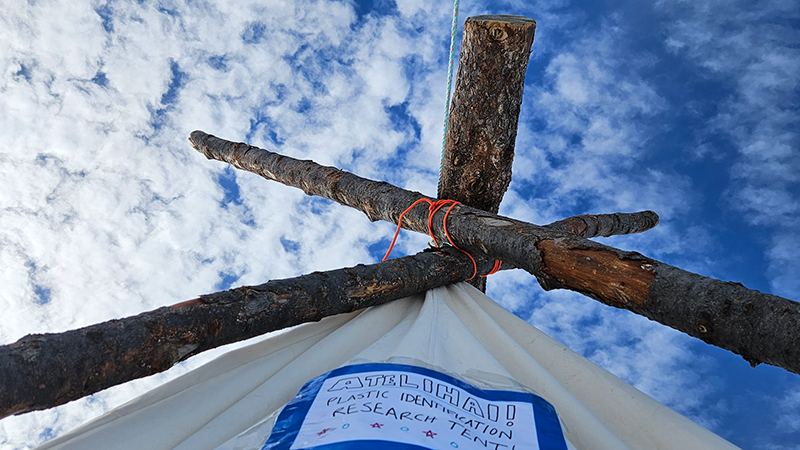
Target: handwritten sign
<point x="396" y="406"/>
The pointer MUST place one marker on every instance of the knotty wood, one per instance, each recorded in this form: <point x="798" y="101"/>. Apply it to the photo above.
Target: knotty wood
<point x="760" y="327"/>
<point x="44" y="370"/>
<point x="479" y="145"/>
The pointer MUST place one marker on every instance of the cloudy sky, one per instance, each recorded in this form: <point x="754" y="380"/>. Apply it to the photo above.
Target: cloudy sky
<point x="688" y="108"/>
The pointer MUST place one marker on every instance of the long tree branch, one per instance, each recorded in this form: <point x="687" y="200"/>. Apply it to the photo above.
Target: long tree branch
<point x="44" y="370"/>
<point x="760" y="327"/>
<point x="591" y="225"/>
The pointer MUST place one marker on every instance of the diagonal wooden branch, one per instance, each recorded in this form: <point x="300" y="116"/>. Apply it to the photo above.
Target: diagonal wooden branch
<point x="760" y="327"/>
<point x="590" y="225"/>
<point x="44" y="370"/>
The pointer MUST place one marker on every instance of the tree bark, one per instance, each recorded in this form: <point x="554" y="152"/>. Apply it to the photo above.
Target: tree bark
<point x="479" y="147"/>
<point x="44" y="370"/>
<point x="482" y="129"/>
<point x="590" y="225"/>
<point x="760" y="327"/>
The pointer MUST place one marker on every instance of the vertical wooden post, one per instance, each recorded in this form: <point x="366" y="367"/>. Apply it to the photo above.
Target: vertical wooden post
<point x="479" y="147"/>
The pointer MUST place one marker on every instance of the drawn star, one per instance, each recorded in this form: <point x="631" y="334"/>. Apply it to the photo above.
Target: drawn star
<point x="430" y="434"/>
<point x="376" y="425"/>
<point x="324" y="431"/>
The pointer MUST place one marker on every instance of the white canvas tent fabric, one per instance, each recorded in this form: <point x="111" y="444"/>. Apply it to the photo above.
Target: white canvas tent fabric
<point x="232" y="402"/>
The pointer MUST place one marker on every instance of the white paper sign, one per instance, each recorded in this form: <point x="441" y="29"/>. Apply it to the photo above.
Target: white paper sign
<point x="395" y="406"/>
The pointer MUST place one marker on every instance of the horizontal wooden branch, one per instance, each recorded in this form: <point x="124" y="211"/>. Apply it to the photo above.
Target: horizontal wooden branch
<point x="44" y="370"/>
<point x="591" y="225"/>
<point x="760" y="327"/>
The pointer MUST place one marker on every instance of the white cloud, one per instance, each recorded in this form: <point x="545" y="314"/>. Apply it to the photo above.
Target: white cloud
<point x="790" y="421"/>
<point x="753" y="46"/>
<point x="591" y="101"/>
<point x="596" y="110"/>
<point x="106" y="209"/>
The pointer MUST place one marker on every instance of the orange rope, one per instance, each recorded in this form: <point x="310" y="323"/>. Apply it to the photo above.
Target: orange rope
<point x="399" y="221"/>
<point x="495" y="268"/>
<point x="432" y="209"/>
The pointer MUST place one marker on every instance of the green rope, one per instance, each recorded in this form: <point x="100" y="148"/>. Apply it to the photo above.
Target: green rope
<point x="449" y="84"/>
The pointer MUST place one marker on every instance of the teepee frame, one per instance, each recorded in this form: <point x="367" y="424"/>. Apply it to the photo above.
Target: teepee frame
<point x="45" y="370"/>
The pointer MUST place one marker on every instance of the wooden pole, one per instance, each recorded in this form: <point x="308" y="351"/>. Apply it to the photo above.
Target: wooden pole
<point x="591" y="225"/>
<point x="44" y="370"/>
<point x="760" y="327"/>
<point x="479" y="146"/>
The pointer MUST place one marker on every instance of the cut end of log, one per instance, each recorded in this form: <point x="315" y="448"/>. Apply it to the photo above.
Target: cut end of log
<point x="196" y="137"/>
<point x="655" y="217"/>
<point x="199" y="141"/>
<point x="501" y="26"/>
<point x="505" y="18"/>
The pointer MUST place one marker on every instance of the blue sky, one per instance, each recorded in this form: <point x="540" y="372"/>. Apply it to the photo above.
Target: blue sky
<point x="686" y="108"/>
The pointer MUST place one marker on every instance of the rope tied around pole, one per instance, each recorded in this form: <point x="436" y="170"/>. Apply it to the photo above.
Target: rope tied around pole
<point x="432" y="209"/>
